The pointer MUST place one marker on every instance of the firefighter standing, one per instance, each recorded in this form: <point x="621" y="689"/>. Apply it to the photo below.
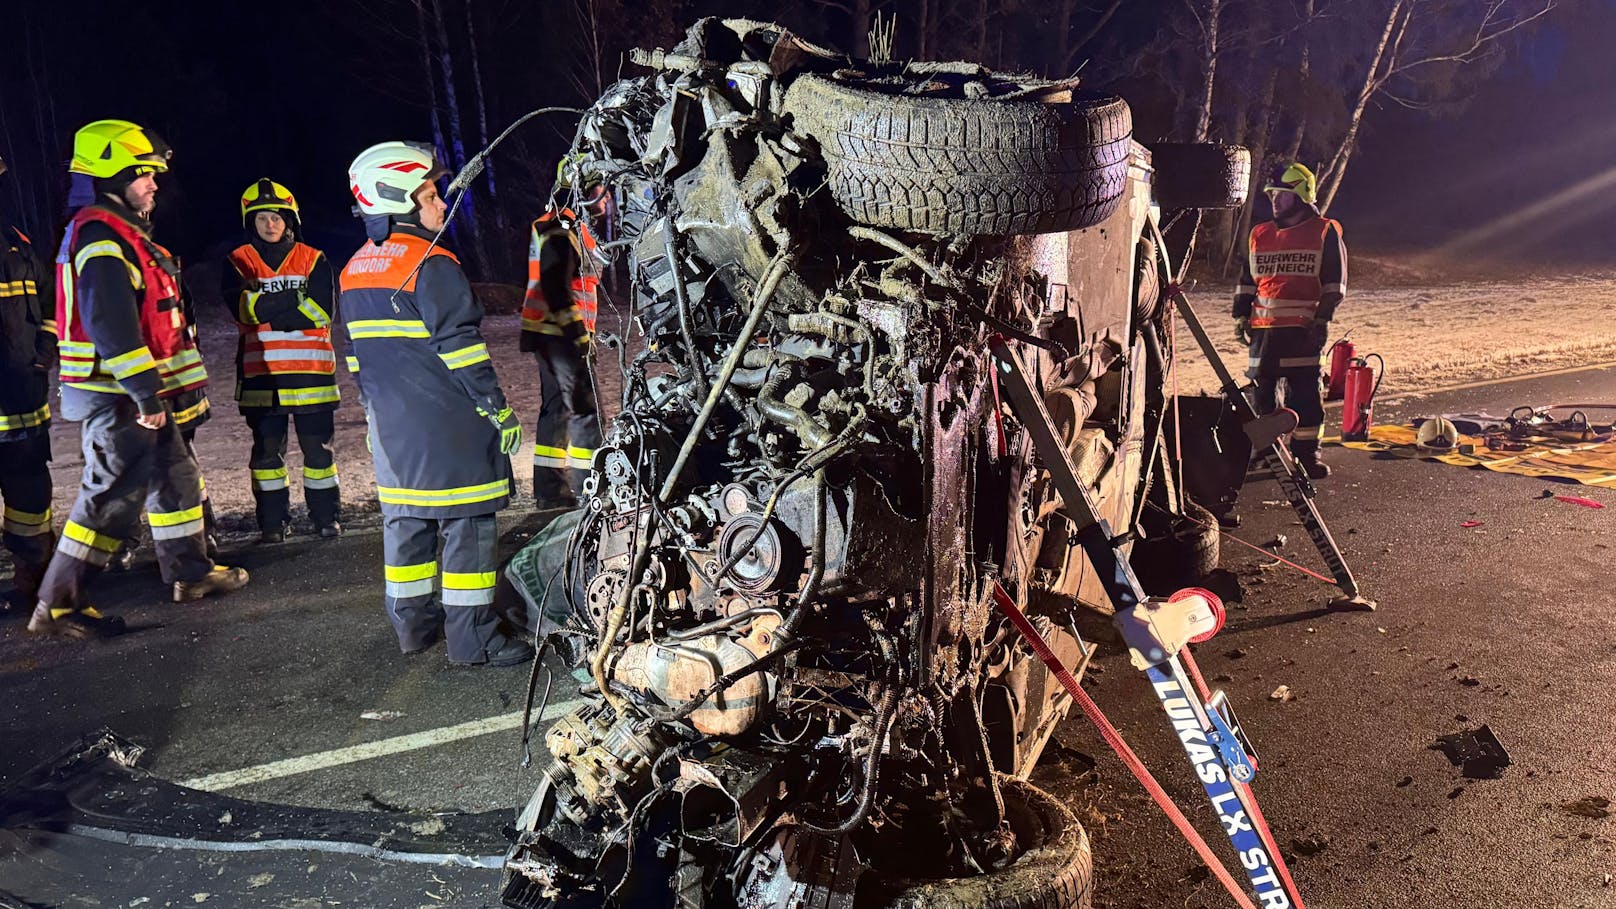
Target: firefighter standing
<point x="27" y="353"/>
<point x="440" y="431"/>
<point x="1295" y="277"/>
<point x="125" y="354"/>
<point x="558" y="317"/>
<point x="285" y="366"/>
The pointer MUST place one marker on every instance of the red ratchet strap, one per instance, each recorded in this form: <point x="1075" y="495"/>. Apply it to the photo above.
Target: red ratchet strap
<point x="1114" y="739"/>
<point x="1249" y="802"/>
<point x="1255" y="548"/>
<point x="998" y="413"/>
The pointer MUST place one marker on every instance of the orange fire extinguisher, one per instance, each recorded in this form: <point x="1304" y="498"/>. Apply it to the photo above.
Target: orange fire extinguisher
<point x="1358" y="404"/>
<point x="1341" y="354"/>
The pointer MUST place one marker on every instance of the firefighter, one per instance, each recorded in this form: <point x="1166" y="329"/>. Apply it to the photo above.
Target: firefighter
<point x="440" y="431"/>
<point x="27" y="353"/>
<point x="125" y="355"/>
<point x="558" y="318"/>
<point x="1295" y="278"/>
<point x="285" y="295"/>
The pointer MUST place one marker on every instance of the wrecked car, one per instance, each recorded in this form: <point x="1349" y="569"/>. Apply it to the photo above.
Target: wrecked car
<point x="777" y="592"/>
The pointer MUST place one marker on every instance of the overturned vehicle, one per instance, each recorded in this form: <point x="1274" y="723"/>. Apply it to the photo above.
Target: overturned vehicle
<point x="778" y="591"/>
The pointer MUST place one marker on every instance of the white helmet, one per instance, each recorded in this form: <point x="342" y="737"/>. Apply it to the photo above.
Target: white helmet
<point x="1437" y="435"/>
<point x="385" y="176"/>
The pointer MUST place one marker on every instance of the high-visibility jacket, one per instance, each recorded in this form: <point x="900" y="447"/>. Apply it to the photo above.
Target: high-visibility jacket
<point x="426" y="379"/>
<point x="146" y="356"/>
<point x="542" y="315"/>
<point x="284" y="360"/>
<point x="27" y="339"/>
<point x="1285" y="265"/>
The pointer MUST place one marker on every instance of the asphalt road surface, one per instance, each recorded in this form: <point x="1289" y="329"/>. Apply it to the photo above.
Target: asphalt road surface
<point x="263" y="695"/>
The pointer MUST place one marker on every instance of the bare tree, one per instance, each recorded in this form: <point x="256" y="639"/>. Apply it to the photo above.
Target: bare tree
<point x="1421" y="36"/>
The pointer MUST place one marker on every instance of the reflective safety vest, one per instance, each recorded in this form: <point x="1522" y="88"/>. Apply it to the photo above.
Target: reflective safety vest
<point x="1285" y="263"/>
<point x="537" y="316"/>
<point x="269" y="351"/>
<point x="434" y="455"/>
<point x="167" y="348"/>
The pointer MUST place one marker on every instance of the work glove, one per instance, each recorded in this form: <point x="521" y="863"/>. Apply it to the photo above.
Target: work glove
<point x="510" y="430"/>
<point x="1242" y="331"/>
<point x="1319" y="332"/>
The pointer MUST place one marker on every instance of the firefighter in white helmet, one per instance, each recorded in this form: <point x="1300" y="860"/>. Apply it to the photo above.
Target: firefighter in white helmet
<point x="441" y="432"/>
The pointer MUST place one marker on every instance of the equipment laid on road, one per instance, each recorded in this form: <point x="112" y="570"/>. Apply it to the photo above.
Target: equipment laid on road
<point x="1358" y="397"/>
<point x="1437" y="435"/>
<point x="1265" y="435"/>
<point x="1341" y="354"/>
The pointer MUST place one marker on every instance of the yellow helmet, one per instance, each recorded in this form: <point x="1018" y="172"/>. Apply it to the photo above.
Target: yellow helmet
<point x="1294" y="178"/>
<point x="106" y="148"/>
<point x="267" y="195"/>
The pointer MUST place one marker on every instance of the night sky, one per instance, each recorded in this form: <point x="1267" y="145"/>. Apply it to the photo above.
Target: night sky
<point x="294" y="90"/>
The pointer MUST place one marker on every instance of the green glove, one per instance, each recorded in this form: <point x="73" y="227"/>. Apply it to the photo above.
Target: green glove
<point x="510" y="430"/>
<point x="1242" y="331"/>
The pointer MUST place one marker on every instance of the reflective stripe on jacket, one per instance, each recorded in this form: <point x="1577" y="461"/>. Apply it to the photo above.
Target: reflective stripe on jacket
<point x="266" y="350"/>
<point x="424" y="375"/>
<point x="163" y="345"/>
<point x="538" y="315"/>
<point x="27" y="339"/>
<point x="1285" y="265"/>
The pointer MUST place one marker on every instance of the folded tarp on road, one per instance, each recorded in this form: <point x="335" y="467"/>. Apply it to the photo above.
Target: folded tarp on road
<point x="88" y="828"/>
<point x="1591" y="464"/>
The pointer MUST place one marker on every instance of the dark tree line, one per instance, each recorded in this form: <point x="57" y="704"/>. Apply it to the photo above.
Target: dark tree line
<point x="1292" y="79"/>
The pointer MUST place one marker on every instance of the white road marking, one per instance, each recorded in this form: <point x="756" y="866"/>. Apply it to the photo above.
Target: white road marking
<point x="336" y="757"/>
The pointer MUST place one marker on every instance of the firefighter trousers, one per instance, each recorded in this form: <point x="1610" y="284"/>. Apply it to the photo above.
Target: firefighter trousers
<point x="210" y="524"/>
<point x="465" y="608"/>
<point x="127" y="465"/>
<point x="25" y="491"/>
<point x="568" y="431"/>
<point x="270" y="483"/>
<point x="1303" y="394"/>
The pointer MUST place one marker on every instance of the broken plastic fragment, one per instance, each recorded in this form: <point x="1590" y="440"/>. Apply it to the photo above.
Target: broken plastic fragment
<point x="1579" y="500"/>
<point x="1282" y="693"/>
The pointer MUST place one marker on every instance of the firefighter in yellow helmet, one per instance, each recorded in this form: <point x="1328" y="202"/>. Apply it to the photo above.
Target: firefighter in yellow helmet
<point x="1295" y="277"/>
<point x="285" y="296"/>
<point x="126" y="354"/>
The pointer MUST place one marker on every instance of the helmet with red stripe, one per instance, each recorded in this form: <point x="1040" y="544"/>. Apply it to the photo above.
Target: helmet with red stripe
<point x="385" y="177"/>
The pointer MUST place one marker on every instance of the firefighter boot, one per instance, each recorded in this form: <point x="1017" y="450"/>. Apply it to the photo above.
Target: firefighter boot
<point x="25" y="578"/>
<point x="1307" y="455"/>
<point x="83" y="623"/>
<point x="219" y="580"/>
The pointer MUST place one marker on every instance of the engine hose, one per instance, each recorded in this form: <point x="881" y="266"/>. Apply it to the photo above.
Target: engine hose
<point x="813" y="433"/>
<point x="642" y="554"/>
<point x="816" y="562"/>
<point x="872" y="769"/>
<point x="687" y="326"/>
<point x="902" y="249"/>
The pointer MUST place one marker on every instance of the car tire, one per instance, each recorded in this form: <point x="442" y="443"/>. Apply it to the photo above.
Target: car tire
<point x="1057" y="872"/>
<point x="971" y="166"/>
<point x="1201" y="174"/>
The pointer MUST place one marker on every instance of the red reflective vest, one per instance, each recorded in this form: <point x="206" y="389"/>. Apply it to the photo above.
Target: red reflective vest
<point x="265" y="350"/>
<point x="1285" y="263"/>
<point x="536" y="313"/>
<point x="167" y="344"/>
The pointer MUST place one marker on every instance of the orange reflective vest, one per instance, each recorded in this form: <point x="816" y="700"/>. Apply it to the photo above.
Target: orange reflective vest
<point x="269" y="351"/>
<point x="537" y="316"/>
<point x="1285" y="263"/>
<point x="167" y="346"/>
